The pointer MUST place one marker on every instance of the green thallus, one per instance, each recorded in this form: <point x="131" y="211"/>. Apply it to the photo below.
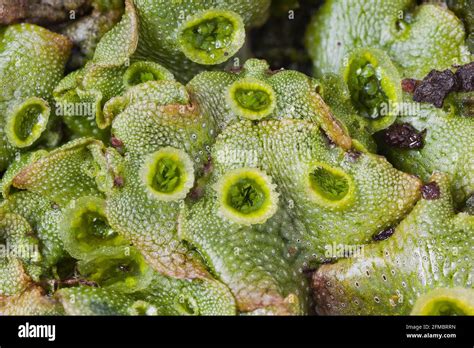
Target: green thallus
<point x="230" y="187"/>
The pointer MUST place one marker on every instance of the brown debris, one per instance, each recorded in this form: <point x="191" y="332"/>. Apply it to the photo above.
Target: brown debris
<point x="236" y="69"/>
<point x="353" y="155"/>
<point x="116" y="142"/>
<point x="384" y="234"/>
<point x="435" y="87"/>
<point x="77" y="281"/>
<point x="465" y="77"/>
<point x="41" y="11"/>
<point x="409" y="85"/>
<point x="271" y="72"/>
<point x="118" y="181"/>
<point x="430" y="191"/>
<point x="403" y="136"/>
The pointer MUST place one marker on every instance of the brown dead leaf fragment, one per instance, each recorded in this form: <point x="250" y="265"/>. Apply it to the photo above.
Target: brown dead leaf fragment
<point x="403" y="136"/>
<point x="409" y="85"/>
<point x="465" y="77"/>
<point x="435" y="87"/>
<point x="430" y="191"/>
<point x="41" y="11"/>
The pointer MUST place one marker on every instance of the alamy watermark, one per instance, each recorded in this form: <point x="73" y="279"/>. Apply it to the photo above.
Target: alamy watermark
<point x="24" y="251"/>
<point x="337" y="251"/>
<point x="402" y="108"/>
<point x="396" y="108"/>
<point x="79" y="109"/>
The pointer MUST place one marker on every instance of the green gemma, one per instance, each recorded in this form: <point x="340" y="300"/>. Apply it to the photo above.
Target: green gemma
<point x="247" y="196"/>
<point x="85" y="228"/>
<point x="212" y="37"/>
<point x="168" y="174"/>
<point x="330" y="186"/>
<point x="252" y="99"/>
<point x="122" y="268"/>
<point x="141" y="72"/>
<point x="368" y="91"/>
<point x="374" y="85"/>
